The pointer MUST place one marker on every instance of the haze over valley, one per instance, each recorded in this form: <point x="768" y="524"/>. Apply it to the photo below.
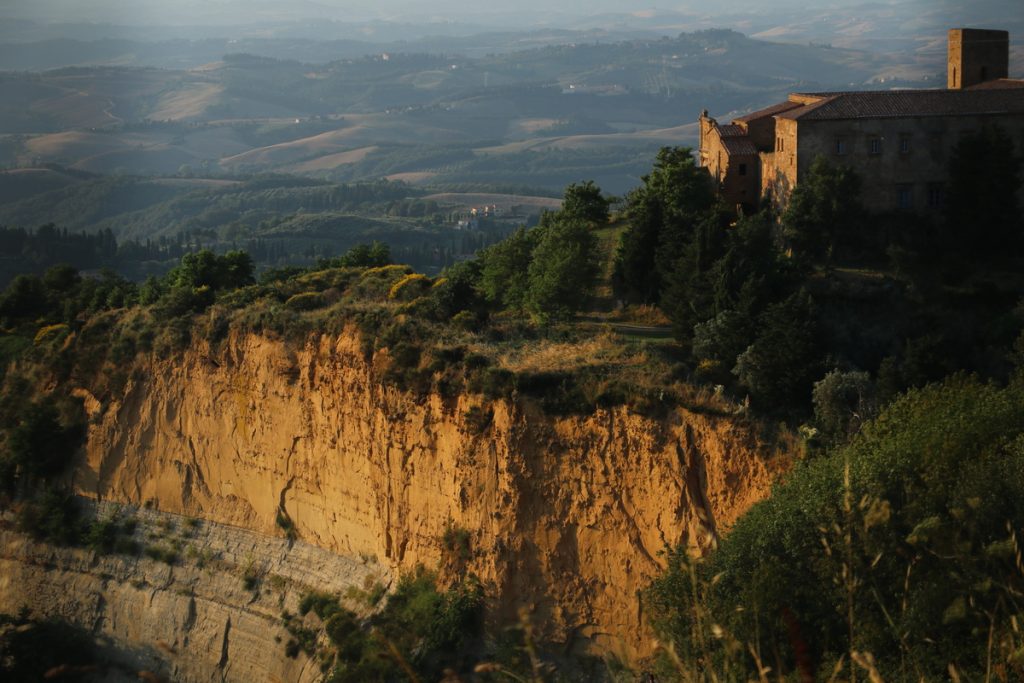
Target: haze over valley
<point x="468" y="100"/>
<point x="355" y="341"/>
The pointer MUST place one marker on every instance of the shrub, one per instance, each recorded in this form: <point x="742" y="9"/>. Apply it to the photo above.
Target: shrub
<point x="53" y="517"/>
<point x="493" y="383"/>
<point x="49" y="333"/>
<point x="479" y="418"/>
<point x="458" y="290"/>
<point x="286" y="524"/>
<point x="467" y="321"/>
<point x="168" y="554"/>
<point x="376" y="283"/>
<point x="42" y="443"/>
<point x="344" y="632"/>
<point x="306" y="301"/>
<point x="457" y="542"/>
<point x="717" y="343"/>
<point x="905" y="541"/>
<point x="321" y="604"/>
<point x="102" y="534"/>
<point x="843" y="401"/>
<point x="409" y="287"/>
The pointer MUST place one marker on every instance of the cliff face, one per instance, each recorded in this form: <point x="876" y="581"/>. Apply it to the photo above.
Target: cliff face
<point x="195" y="621"/>
<point x="566" y="515"/>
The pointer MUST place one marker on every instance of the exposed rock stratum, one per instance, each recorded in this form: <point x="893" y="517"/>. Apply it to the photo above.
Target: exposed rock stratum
<point x="566" y="515"/>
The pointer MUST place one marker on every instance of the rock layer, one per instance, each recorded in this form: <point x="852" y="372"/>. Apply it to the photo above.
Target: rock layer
<point x="194" y="621"/>
<point x="566" y="515"/>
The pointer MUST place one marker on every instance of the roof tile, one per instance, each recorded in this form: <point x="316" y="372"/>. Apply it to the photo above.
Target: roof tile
<point x="905" y="103"/>
<point x="767" y="111"/>
<point x="739" y="146"/>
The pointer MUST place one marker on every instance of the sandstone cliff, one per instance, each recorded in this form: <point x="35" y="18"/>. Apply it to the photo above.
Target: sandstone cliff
<point x="566" y="515"/>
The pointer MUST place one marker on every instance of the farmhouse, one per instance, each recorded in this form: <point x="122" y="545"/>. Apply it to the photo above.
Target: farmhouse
<point x="899" y="141"/>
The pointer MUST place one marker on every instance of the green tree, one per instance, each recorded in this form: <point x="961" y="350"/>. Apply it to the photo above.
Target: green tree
<point x="25" y="297"/>
<point x="458" y="290"/>
<point x="584" y="201"/>
<point x="206" y="269"/>
<point x="824" y="211"/>
<point x="504" y="278"/>
<point x="717" y="343"/>
<point x="563" y="271"/>
<point x="61" y="278"/>
<point x="150" y="291"/>
<point x="725" y="268"/>
<point x="663" y="213"/>
<point x="41" y="445"/>
<point x="365" y="256"/>
<point x="688" y="293"/>
<point x="780" y="366"/>
<point x="843" y="401"/>
<point x="236" y="270"/>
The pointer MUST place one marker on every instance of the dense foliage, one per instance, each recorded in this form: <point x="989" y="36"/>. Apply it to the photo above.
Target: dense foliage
<point x="766" y="306"/>
<point x="549" y="270"/>
<point x="903" y="544"/>
<point x="420" y="631"/>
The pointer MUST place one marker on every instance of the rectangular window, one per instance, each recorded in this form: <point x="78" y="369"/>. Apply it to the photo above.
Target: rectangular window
<point x="904" y="196"/>
<point x="874" y="145"/>
<point x="935" y="141"/>
<point x="905" y="143"/>
<point x="743" y="169"/>
<point x="840" y="146"/>
<point x="936" y="195"/>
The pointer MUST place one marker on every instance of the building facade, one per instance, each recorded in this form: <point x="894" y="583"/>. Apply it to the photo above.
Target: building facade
<point x="898" y="141"/>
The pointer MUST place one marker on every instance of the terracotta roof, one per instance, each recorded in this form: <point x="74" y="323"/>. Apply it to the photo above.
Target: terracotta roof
<point x="731" y="131"/>
<point x="906" y="103"/>
<point x="739" y="146"/>
<point x="768" y="111"/>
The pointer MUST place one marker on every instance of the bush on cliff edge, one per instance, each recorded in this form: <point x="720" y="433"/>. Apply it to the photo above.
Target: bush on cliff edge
<point x="901" y="548"/>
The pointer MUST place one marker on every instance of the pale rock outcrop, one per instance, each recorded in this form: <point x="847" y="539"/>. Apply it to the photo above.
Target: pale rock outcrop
<point x="195" y="621"/>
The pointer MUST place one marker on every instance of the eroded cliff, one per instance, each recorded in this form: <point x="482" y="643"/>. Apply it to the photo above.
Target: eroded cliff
<point x="566" y="515"/>
<point x="213" y="613"/>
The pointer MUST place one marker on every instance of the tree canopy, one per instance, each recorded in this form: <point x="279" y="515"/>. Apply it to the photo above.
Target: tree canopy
<point x="823" y="211"/>
<point x="664" y="212"/>
<point x="584" y="201"/>
<point x="902" y="544"/>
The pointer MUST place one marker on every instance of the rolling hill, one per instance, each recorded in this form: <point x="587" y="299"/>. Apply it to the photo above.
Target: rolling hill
<point x="541" y="117"/>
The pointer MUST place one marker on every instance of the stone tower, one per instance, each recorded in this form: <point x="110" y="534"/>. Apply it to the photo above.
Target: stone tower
<point x="977" y="55"/>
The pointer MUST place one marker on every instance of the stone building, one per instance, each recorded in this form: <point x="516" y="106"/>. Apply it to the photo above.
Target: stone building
<point x="899" y="141"/>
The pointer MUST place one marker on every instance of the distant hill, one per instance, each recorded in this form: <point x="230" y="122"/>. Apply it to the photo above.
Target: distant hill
<point x="280" y="220"/>
<point x="569" y="112"/>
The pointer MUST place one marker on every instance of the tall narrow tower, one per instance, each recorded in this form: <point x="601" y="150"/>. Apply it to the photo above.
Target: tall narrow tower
<point x="977" y="55"/>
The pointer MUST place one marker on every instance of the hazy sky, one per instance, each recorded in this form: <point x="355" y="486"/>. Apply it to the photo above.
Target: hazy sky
<point x="844" y="23"/>
<point x="247" y="11"/>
